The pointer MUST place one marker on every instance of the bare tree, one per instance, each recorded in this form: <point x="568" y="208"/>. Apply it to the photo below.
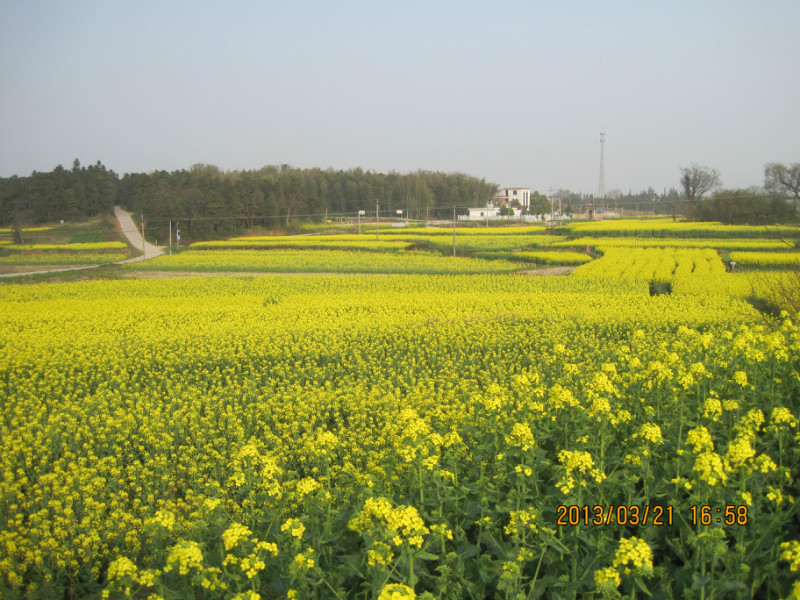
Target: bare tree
<point x="782" y="179"/>
<point x="696" y="181"/>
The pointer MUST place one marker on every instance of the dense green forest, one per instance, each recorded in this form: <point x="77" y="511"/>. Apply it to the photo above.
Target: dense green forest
<point x="61" y="194"/>
<point x="210" y="203"/>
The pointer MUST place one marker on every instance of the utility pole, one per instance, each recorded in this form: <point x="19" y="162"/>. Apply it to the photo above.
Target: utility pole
<point x="170" y="237"/>
<point x="142" y="224"/>
<point x="325" y="223"/>
<point x="377" y="225"/>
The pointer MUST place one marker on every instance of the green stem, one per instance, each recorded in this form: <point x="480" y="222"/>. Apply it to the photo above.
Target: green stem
<point x="330" y="587"/>
<point x="536" y="574"/>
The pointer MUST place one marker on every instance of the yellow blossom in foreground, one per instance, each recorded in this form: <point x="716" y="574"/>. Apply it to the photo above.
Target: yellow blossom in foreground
<point x="650" y="432"/>
<point x="710" y="468"/>
<point x="607" y="579"/>
<point x="396" y="591"/>
<point x="700" y="438"/>
<point x="186" y="555"/>
<point x="782" y="417"/>
<point x="791" y="554"/>
<point x="730" y="405"/>
<point x="304" y="560"/>
<point x="234" y="534"/>
<point x="307" y="485"/>
<point x="520" y="520"/>
<point x="712" y="408"/>
<point x="121" y="570"/>
<point x="580" y="461"/>
<point x="295" y="528"/>
<point x="401" y="524"/>
<point x="522" y="436"/>
<point x="740" y="451"/>
<point x="634" y="552"/>
<point x="164" y="518"/>
<point x="379" y="554"/>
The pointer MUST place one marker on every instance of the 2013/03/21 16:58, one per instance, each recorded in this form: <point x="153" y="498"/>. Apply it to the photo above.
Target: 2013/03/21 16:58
<point x="657" y="515"/>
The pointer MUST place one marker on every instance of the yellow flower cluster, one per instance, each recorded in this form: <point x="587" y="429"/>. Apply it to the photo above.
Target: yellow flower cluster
<point x="555" y="257"/>
<point x="712" y="408"/>
<point x="650" y="432"/>
<point x="634" y="553"/>
<point x="710" y="467"/>
<point x="235" y="534"/>
<point x="580" y="461"/>
<point x="521" y="436"/>
<point x="186" y="556"/>
<point x="700" y="439"/>
<point x="607" y="579"/>
<point x="402" y="525"/>
<point x="740" y="451"/>
<point x="295" y="528"/>
<point x="782" y="418"/>
<point x="308" y="485"/>
<point x="304" y="561"/>
<point x="521" y="520"/>
<point x="396" y="591"/>
<point x="122" y="570"/>
<point x="671" y="228"/>
<point x="379" y="554"/>
<point x="791" y="554"/>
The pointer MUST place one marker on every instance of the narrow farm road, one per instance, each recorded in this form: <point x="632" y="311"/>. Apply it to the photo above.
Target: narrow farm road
<point x="130" y="231"/>
<point x="128" y="228"/>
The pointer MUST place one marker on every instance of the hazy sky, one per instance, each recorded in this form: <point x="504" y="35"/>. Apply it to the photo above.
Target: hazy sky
<point x="513" y="91"/>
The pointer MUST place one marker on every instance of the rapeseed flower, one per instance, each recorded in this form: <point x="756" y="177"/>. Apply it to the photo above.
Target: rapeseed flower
<point x="522" y="436"/>
<point x="634" y="553"/>
<point x="650" y="432"/>
<point x="710" y="468"/>
<point x="396" y="591"/>
<point x="186" y="556"/>
<point x="791" y="554"/>
<point x="607" y="579"/>
<point x="234" y="534"/>
<point x="700" y="439"/>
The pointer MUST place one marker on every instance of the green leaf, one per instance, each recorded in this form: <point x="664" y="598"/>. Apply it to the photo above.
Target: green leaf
<point x="699" y="582"/>
<point x="640" y="584"/>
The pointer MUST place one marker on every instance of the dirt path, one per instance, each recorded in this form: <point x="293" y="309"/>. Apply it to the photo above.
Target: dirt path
<point x="130" y="231"/>
<point x="126" y="226"/>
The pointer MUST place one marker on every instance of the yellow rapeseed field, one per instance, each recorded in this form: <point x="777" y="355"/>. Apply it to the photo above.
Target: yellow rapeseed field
<point x="406" y="436"/>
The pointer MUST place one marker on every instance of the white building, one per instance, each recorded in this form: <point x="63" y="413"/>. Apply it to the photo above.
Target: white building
<point x="508" y="195"/>
<point x="487" y="212"/>
<point x="491" y="213"/>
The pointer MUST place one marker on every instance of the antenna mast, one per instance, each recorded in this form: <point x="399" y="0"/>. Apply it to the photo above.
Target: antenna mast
<point x="602" y="190"/>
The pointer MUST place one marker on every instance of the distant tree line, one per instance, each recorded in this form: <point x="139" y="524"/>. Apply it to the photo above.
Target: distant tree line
<point x="777" y="203"/>
<point x="211" y="203"/>
<point x="61" y="194"/>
